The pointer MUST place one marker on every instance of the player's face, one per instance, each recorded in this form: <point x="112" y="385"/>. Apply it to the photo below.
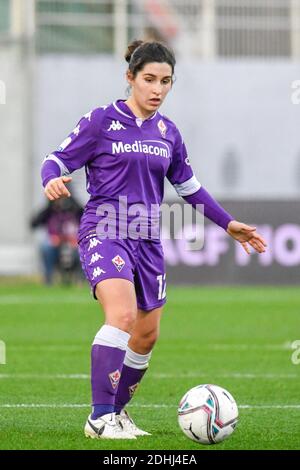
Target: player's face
<point x="150" y="87"/>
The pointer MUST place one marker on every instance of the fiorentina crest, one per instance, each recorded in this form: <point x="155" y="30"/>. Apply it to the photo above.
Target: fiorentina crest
<point x="114" y="378"/>
<point x="118" y="262"/>
<point x="162" y="127"/>
<point x="132" y="389"/>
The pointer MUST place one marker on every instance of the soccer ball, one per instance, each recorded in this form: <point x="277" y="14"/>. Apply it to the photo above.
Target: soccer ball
<point x="207" y="414"/>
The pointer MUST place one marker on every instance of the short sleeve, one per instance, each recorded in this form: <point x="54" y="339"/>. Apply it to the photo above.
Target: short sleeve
<point x="180" y="173"/>
<point x="80" y="145"/>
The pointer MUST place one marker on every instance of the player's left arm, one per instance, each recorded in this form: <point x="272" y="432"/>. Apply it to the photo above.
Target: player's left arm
<point x="243" y="233"/>
<point x="181" y="176"/>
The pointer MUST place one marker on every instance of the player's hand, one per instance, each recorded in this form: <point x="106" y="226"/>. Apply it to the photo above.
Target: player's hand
<point x="246" y="235"/>
<point x="56" y="188"/>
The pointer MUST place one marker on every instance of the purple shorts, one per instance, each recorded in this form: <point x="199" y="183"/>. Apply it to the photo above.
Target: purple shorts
<point x="139" y="261"/>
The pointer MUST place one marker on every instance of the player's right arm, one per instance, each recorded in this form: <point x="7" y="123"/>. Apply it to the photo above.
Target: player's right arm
<point x="75" y="151"/>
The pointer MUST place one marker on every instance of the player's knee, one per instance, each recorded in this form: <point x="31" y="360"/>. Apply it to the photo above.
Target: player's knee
<point x="126" y="320"/>
<point x="150" y="339"/>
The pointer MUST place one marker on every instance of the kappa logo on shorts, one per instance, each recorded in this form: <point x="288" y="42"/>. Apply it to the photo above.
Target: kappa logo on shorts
<point x="93" y="243"/>
<point x="95" y="257"/>
<point x="118" y="262"/>
<point x="114" y="378"/>
<point x="132" y="389"/>
<point x="97" y="272"/>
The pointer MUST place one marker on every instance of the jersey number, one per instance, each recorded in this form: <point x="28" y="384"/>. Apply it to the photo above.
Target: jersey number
<point x="162" y="284"/>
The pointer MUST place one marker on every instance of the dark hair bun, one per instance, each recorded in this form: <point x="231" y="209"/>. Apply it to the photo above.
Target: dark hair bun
<point x="131" y="48"/>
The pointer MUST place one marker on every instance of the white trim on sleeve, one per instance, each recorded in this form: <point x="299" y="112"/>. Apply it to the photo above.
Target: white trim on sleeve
<point x="63" y="169"/>
<point x="187" y="188"/>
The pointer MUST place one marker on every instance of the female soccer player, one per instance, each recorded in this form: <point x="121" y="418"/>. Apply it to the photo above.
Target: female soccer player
<point x="128" y="148"/>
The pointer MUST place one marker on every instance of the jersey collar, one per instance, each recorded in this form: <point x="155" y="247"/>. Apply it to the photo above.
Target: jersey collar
<point x="123" y="109"/>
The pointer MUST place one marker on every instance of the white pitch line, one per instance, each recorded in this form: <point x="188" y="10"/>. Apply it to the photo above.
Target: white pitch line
<point x="44" y="405"/>
<point x="246" y="347"/>
<point x="229" y="375"/>
<point x="275" y="407"/>
<point x="211" y="346"/>
<point x="46" y="376"/>
<point x="158" y="376"/>
<point x="137" y="405"/>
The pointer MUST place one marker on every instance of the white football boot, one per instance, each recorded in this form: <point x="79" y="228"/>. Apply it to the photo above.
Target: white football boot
<point x="106" y="427"/>
<point x="128" y="425"/>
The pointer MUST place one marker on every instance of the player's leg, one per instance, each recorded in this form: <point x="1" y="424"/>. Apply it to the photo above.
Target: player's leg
<point x="150" y="287"/>
<point x="145" y="330"/>
<point x="144" y="336"/>
<point x="138" y="354"/>
<point x="103" y="263"/>
<point x="118" y="300"/>
<point x="117" y="297"/>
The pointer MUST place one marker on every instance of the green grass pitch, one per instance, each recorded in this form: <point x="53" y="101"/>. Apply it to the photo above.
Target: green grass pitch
<point x="238" y="338"/>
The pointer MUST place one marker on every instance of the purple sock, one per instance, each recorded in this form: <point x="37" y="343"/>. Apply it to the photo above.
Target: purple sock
<point x="107" y="364"/>
<point x="129" y="382"/>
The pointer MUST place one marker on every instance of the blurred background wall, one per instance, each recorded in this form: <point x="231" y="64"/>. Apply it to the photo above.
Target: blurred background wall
<point x="234" y="100"/>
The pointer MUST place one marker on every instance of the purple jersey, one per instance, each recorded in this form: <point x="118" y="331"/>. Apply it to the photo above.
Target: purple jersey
<point x="125" y="156"/>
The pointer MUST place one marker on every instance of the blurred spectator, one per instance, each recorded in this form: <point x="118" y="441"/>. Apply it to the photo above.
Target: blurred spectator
<point x="58" y="247"/>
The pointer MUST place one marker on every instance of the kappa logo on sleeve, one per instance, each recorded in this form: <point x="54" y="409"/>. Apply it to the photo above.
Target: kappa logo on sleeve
<point x="88" y="116"/>
<point x="118" y="262"/>
<point x="76" y="130"/>
<point x="116" y="126"/>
